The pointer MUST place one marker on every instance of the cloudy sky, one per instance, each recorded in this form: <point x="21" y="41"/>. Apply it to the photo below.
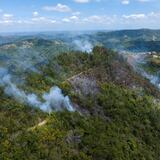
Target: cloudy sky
<point x="47" y="15"/>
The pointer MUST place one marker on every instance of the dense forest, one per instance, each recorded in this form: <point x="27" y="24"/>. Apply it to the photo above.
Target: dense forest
<point x="116" y="110"/>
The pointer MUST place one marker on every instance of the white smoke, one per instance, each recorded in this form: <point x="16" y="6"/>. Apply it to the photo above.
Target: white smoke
<point x="136" y="59"/>
<point x="84" y="46"/>
<point x="53" y="101"/>
<point x="153" y="79"/>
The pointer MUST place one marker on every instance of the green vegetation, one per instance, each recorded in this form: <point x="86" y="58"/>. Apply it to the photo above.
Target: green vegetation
<point x="142" y="40"/>
<point x="128" y="130"/>
<point x="117" y="116"/>
<point x="155" y="62"/>
<point x="152" y="64"/>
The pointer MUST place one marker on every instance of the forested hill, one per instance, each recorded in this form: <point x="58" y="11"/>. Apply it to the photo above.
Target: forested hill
<point x="145" y="34"/>
<point x="142" y="40"/>
<point x="116" y="112"/>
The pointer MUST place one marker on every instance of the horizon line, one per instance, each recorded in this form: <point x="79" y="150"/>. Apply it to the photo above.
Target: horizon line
<point x="87" y="30"/>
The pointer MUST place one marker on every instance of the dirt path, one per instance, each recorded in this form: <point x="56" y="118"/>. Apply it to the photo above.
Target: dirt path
<point x="77" y="75"/>
<point x="40" y="124"/>
<point x="44" y="122"/>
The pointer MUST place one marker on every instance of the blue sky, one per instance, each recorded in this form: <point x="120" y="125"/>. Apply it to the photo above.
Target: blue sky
<point x="50" y="15"/>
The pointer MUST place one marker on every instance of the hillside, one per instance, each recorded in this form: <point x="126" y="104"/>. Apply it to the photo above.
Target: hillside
<point x="140" y="40"/>
<point x="116" y="111"/>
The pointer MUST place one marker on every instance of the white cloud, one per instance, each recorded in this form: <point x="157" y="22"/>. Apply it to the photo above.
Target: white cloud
<point x="42" y="20"/>
<point x="154" y="14"/>
<point x="66" y="20"/>
<point x="100" y="19"/>
<point x="71" y="19"/>
<point x="135" y="20"/>
<point x="74" y="18"/>
<point x="82" y="1"/>
<point x="76" y="13"/>
<point x="35" y="13"/>
<point x="7" y="19"/>
<point x="59" y="8"/>
<point x="7" y="16"/>
<point x="144" y="0"/>
<point x="125" y="2"/>
<point x="134" y="16"/>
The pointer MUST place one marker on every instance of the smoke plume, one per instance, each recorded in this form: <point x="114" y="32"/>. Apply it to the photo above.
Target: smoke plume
<point x="136" y="60"/>
<point x="84" y="46"/>
<point x="52" y="101"/>
<point x="153" y="79"/>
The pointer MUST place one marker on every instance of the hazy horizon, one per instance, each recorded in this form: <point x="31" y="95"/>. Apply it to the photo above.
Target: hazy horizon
<point x="69" y="15"/>
<point x="72" y="31"/>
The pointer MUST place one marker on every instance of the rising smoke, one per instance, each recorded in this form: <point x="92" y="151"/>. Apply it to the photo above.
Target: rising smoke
<point x="154" y="79"/>
<point x="84" y="46"/>
<point x="52" y="101"/>
<point x="136" y="60"/>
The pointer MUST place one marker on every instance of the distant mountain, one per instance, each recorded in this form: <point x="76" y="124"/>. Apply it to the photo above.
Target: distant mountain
<point x="132" y="40"/>
<point x="141" y="34"/>
<point x="141" y="40"/>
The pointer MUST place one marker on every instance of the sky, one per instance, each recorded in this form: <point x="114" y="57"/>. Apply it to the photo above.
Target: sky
<point x="57" y="15"/>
